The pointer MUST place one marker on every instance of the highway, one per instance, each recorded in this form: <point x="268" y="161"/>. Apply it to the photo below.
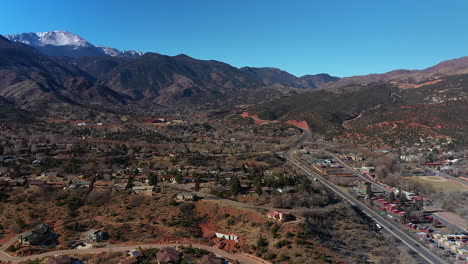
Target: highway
<point x="437" y="211"/>
<point x="424" y="253"/>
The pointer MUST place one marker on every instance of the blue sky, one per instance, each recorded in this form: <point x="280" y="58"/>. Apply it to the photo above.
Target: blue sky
<point x="340" y="37"/>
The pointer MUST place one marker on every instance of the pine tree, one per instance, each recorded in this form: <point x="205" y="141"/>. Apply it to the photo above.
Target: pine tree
<point x="197" y="181"/>
<point x="257" y="182"/>
<point x="129" y="183"/>
<point x="179" y="178"/>
<point x="258" y="189"/>
<point x="235" y="186"/>
<point x="153" y="179"/>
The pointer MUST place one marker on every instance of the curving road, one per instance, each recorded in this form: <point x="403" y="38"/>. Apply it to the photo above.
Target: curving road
<point x="424" y="253"/>
<point x="244" y="258"/>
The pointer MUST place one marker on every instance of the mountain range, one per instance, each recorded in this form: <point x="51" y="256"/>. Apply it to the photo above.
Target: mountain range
<point x="407" y="77"/>
<point x="31" y="78"/>
<point x="63" y="43"/>
<point x="49" y="69"/>
<point x="385" y="114"/>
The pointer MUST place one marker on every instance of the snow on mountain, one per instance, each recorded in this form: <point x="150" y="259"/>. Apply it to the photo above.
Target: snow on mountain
<point x="68" y="44"/>
<point x="54" y="38"/>
<point x="117" y="53"/>
<point x="133" y="53"/>
<point x="110" y="51"/>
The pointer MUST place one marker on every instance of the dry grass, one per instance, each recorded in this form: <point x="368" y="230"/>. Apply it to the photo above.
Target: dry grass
<point x="439" y="183"/>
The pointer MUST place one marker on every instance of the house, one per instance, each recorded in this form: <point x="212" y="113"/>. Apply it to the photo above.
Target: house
<point x="76" y="184"/>
<point x="168" y="256"/>
<point x="211" y="259"/>
<point x="62" y="259"/>
<point x="102" y="185"/>
<point x="280" y="216"/>
<point x="119" y="187"/>
<point x="50" y="174"/>
<point x="122" y="179"/>
<point x="228" y="236"/>
<point x="143" y="189"/>
<point x="42" y="234"/>
<point x="17" y="182"/>
<point x="170" y="178"/>
<point x="409" y="158"/>
<point x="141" y="178"/>
<point x="95" y="236"/>
<point x="186" y="196"/>
<point x="353" y="156"/>
<point x="367" y="169"/>
<point x="53" y="180"/>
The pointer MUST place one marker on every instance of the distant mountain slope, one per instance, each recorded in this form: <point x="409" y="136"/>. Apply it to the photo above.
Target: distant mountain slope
<point x="9" y="113"/>
<point x="152" y="78"/>
<point x="95" y="67"/>
<point x="63" y="43"/>
<point x="445" y="68"/>
<point x="276" y="77"/>
<point x="169" y="79"/>
<point x="318" y="80"/>
<point x="30" y="78"/>
<point x="437" y="110"/>
<point x="372" y="112"/>
<point x="449" y="67"/>
<point x="325" y="110"/>
<point x="166" y="79"/>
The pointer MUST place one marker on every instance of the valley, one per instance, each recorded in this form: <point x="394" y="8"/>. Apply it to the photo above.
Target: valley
<point x="110" y="156"/>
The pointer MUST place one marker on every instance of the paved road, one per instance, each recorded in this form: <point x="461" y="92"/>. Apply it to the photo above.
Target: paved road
<point x="460" y="225"/>
<point x="10" y="242"/>
<point x="241" y="258"/>
<point x="424" y="253"/>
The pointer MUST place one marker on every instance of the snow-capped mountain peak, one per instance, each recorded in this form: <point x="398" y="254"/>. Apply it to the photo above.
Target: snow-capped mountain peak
<point x="64" y="43"/>
<point x="54" y="38"/>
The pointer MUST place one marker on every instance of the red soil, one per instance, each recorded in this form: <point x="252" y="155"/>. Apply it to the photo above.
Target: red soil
<point x="301" y="124"/>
